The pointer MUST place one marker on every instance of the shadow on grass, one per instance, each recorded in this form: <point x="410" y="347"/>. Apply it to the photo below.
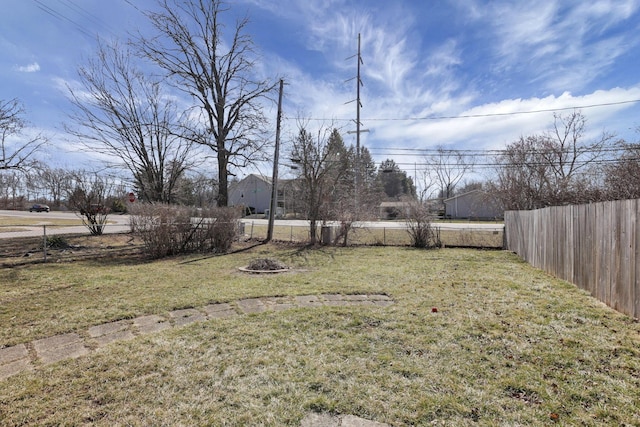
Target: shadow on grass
<point x="217" y="254"/>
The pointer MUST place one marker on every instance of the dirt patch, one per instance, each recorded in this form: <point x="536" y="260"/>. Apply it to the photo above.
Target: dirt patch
<point x="265" y="265"/>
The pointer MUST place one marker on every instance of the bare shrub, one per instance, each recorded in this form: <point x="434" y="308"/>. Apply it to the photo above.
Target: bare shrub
<point x="420" y="229"/>
<point x="170" y="230"/>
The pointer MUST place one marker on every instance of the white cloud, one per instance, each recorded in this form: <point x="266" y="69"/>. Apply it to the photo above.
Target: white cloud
<point x="562" y="45"/>
<point x="497" y="124"/>
<point x="31" y="68"/>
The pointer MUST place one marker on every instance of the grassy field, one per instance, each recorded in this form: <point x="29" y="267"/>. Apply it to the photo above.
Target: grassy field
<point x="384" y="236"/>
<point x="508" y="345"/>
<point x="9" y="224"/>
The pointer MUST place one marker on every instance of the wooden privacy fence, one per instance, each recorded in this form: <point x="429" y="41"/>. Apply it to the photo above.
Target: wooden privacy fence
<point x="594" y="246"/>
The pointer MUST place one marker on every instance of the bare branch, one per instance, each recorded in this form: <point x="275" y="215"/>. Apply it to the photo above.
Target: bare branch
<point x="15" y="153"/>
<point x="218" y="75"/>
<point x="124" y="115"/>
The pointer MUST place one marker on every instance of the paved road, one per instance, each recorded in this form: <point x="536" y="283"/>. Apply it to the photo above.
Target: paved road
<point x="120" y="224"/>
<point x="117" y="224"/>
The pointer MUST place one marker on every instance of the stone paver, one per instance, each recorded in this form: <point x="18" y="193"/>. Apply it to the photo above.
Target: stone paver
<point x="278" y="303"/>
<point x="358" y="300"/>
<point x="14" y="360"/>
<point x="308" y="301"/>
<point x="380" y="297"/>
<point x="320" y="420"/>
<point x="151" y="323"/>
<point x="60" y="347"/>
<point x="66" y="346"/>
<point x="108" y="328"/>
<point x="219" y="310"/>
<point x="11" y="354"/>
<point x="109" y="332"/>
<point x="186" y="316"/>
<point x="251" y="305"/>
<point x="116" y="336"/>
<point x="353" y="421"/>
<point x="337" y="303"/>
<point x="382" y="303"/>
<point x="326" y="420"/>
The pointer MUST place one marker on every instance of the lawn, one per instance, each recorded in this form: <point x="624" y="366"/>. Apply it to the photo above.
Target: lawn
<point x="507" y="345"/>
<point x="389" y="236"/>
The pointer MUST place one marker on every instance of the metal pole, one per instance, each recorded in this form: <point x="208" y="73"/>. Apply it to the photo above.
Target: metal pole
<point x="274" y="179"/>
<point x="358" y="107"/>
<point x="44" y="242"/>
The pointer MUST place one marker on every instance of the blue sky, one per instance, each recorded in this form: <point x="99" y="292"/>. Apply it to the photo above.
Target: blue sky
<point x="427" y="65"/>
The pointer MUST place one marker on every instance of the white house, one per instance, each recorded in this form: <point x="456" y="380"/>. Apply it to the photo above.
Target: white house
<point x="475" y="204"/>
<point x="253" y="191"/>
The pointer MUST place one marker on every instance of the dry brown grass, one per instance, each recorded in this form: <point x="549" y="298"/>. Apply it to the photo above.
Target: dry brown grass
<point x="508" y="345"/>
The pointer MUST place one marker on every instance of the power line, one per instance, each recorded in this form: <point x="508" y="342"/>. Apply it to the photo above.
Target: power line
<point x="513" y="113"/>
<point x="434" y="152"/>
<point x="88" y="15"/>
<point x="471" y="116"/>
<point x="134" y="6"/>
<point x="58" y="15"/>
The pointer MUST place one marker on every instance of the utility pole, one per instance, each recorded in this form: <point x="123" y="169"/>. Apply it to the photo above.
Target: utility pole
<point x="358" y="105"/>
<point x="274" y="177"/>
<point x="358" y="131"/>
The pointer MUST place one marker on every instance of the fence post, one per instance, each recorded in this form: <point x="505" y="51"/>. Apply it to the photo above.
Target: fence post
<point x="44" y="241"/>
<point x="384" y="236"/>
<point x="291" y="236"/>
<point x="251" y="237"/>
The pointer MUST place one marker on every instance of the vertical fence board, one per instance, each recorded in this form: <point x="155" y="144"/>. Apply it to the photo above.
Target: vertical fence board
<point x="595" y="246"/>
<point x="621" y="289"/>
<point x="635" y="257"/>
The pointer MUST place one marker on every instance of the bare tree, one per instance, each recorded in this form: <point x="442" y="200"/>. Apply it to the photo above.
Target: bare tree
<point x="12" y="190"/>
<point x="447" y="168"/>
<point x="321" y="169"/>
<point x="520" y="177"/>
<point x="53" y="182"/>
<point x="88" y="197"/>
<point x="218" y="74"/>
<point x="15" y="152"/>
<point x="123" y="114"/>
<point x="554" y="168"/>
<point x="622" y="177"/>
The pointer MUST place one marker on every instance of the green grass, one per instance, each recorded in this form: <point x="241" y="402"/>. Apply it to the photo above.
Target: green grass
<point x="509" y="345"/>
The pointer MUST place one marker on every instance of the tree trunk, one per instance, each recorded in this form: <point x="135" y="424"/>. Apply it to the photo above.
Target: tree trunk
<point x="223" y="178"/>
<point x="312" y="232"/>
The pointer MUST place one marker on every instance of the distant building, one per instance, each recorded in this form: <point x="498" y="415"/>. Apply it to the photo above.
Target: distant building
<point x="254" y="193"/>
<point x="475" y="204"/>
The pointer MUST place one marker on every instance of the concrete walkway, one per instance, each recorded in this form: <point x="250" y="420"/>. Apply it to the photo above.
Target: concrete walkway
<point x="29" y="356"/>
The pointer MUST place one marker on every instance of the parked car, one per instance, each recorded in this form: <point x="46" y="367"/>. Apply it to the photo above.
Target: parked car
<point x="39" y="208"/>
